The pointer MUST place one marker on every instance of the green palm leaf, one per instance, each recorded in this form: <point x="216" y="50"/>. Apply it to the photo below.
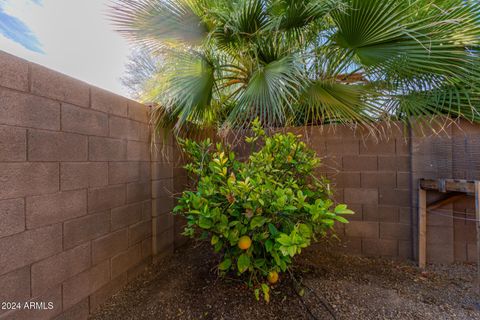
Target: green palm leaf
<point x="297" y="62"/>
<point x="269" y="93"/>
<point x="403" y="41"/>
<point x="239" y="23"/>
<point x="449" y="101"/>
<point x="159" y="23"/>
<point x="329" y="102"/>
<point x="187" y="90"/>
<point x="297" y="14"/>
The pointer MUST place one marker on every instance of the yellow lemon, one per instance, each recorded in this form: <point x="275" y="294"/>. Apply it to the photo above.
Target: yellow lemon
<point x="272" y="277"/>
<point x="244" y="243"/>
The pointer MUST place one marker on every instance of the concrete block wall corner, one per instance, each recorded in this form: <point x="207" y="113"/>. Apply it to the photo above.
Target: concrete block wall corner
<point x="78" y="218"/>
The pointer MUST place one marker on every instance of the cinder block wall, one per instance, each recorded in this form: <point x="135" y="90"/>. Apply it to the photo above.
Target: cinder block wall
<point x="378" y="179"/>
<point x="76" y="218"/>
<point x="85" y="201"/>
<point x="453" y="153"/>
<point x="164" y="158"/>
<point x="373" y="178"/>
<point x="377" y="176"/>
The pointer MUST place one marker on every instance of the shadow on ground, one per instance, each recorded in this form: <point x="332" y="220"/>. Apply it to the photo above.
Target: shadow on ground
<point x="185" y="286"/>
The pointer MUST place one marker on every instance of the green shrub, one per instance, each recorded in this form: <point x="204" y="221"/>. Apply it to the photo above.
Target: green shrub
<point x="260" y="213"/>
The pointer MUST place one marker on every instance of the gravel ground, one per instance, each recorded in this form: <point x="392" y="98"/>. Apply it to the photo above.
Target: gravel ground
<point x="185" y="286"/>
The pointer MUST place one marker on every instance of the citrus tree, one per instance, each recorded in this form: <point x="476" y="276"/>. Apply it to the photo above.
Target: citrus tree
<point x="297" y="62"/>
<point x="258" y="214"/>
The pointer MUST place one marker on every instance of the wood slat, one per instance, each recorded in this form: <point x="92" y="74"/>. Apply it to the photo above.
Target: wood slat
<point x="422" y="228"/>
<point x="477" y="215"/>
<point x="440" y="203"/>
<point x="448" y="185"/>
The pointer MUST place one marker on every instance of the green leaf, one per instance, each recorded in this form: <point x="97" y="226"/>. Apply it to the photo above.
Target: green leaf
<point x="414" y="47"/>
<point x="328" y="222"/>
<point x="214" y="240"/>
<point x="225" y="264"/>
<point x="283" y="265"/>
<point x="273" y="230"/>
<point x="196" y="202"/>
<point x="305" y="230"/>
<point x="225" y="63"/>
<point x="295" y="16"/>
<point x="233" y="236"/>
<point x="218" y="246"/>
<point x="269" y="245"/>
<point x="266" y="292"/>
<point x="292" y="251"/>
<point x="205" y="223"/>
<point x="188" y="231"/>
<point x="259" y="263"/>
<point x="257" y="222"/>
<point x="284" y="239"/>
<point x="178" y="208"/>
<point x="342" y="209"/>
<point x="341" y="219"/>
<point x="188" y="90"/>
<point x="243" y="263"/>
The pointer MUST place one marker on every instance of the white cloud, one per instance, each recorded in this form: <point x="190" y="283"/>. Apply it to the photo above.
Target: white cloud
<point x="77" y="38"/>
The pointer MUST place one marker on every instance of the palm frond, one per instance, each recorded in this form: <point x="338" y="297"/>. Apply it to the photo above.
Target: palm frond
<point x="287" y="62"/>
<point x="159" y="23"/>
<point x="238" y="23"/>
<point x="187" y="87"/>
<point x="449" y="101"/>
<point x="269" y="94"/>
<point x="291" y="15"/>
<point x="330" y="102"/>
<point x="398" y="40"/>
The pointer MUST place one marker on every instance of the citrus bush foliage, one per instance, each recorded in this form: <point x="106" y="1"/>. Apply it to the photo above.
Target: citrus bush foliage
<point x="258" y="214"/>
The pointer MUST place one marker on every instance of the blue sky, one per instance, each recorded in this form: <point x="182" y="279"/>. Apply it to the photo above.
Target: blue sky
<point x="71" y="36"/>
<point x="16" y="30"/>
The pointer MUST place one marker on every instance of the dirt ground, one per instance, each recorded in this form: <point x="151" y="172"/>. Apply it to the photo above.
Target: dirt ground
<point x="185" y="286"/>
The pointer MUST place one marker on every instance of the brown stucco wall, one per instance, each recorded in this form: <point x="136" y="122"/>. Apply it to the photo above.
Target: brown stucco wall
<point x="76" y="181"/>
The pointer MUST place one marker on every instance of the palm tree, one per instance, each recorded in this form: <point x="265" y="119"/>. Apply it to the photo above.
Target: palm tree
<point x="307" y="62"/>
<point x="141" y="68"/>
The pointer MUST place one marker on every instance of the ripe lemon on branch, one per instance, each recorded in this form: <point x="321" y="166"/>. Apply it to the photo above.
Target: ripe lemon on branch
<point x="244" y="242"/>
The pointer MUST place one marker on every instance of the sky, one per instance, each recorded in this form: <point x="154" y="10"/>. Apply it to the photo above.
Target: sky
<point x="74" y="37"/>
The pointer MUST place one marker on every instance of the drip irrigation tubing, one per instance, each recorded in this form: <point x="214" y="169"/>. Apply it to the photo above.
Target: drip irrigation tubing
<point x="323" y="302"/>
